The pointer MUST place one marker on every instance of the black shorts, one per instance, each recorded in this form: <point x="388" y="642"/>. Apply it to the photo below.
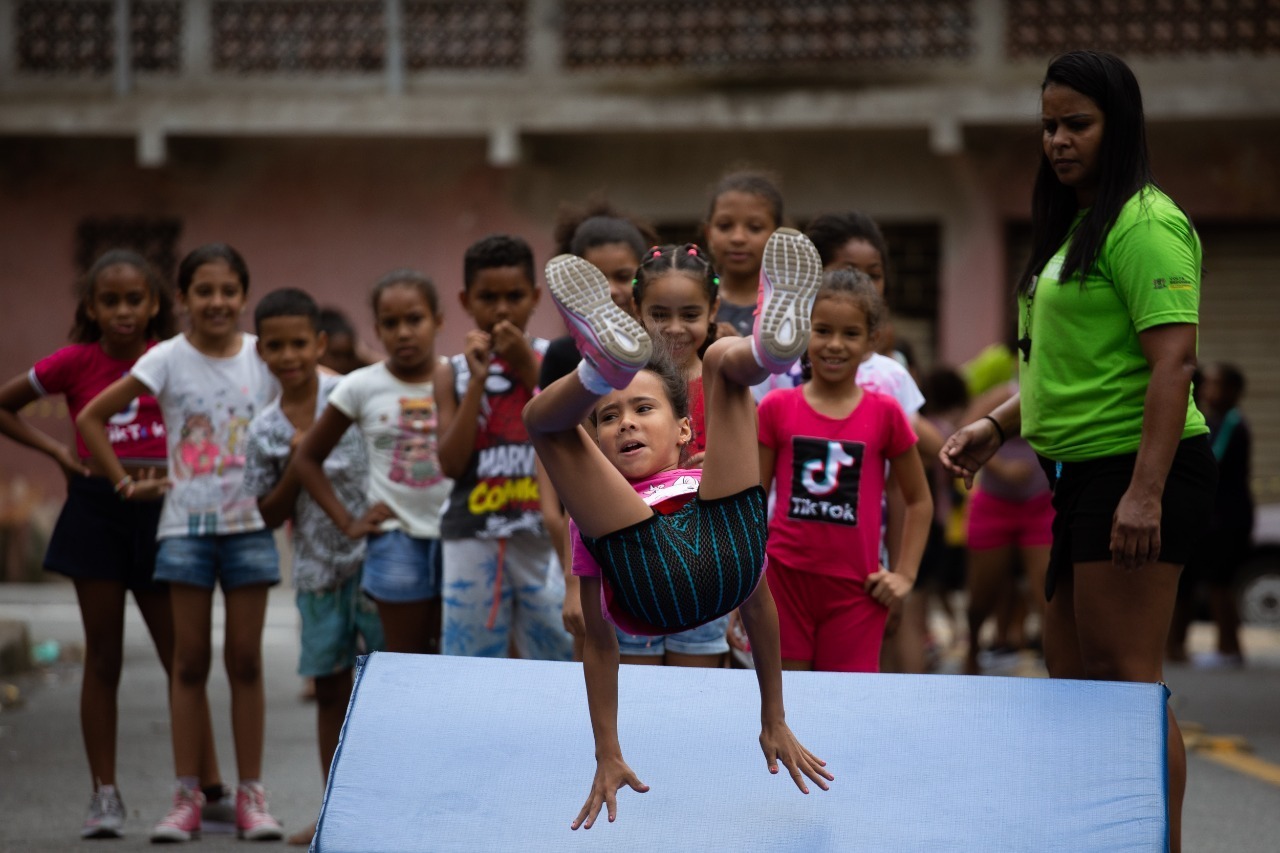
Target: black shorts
<point x="682" y="570"/>
<point x="1086" y="494"/>
<point x="101" y="537"/>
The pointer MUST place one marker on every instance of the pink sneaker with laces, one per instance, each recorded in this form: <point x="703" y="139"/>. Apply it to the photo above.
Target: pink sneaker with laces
<point x="611" y="339"/>
<point x="253" y="822"/>
<point x="182" y="823"/>
<point x="790" y="275"/>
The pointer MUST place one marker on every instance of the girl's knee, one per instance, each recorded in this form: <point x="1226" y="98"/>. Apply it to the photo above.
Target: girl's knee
<point x="715" y="354"/>
<point x="189" y="672"/>
<point x="243" y="666"/>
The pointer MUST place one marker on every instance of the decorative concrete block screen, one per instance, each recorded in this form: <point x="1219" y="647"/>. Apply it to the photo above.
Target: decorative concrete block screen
<point x="605" y="34"/>
<point x="444" y="753"/>
<point x="1040" y="29"/>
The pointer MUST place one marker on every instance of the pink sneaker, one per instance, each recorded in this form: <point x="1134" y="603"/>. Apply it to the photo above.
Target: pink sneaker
<point x="790" y="276"/>
<point x="608" y="337"/>
<point x="182" y="823"/>
<point x="253" y="822"/>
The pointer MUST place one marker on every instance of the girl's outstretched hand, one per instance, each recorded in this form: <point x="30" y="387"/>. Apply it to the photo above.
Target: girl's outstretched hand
<point x="779" y="744"/>
<point x="969" y="448"/>
<point x="611" y="774"/>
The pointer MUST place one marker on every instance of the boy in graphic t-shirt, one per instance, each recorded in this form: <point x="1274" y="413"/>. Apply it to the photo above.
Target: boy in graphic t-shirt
<point x="502" y="583"/>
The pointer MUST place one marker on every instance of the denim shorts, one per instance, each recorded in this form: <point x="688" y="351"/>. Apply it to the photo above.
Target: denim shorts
<point x="399" y="568"/>
<point x="235" y="559"/>
<point x="705" y="639"/>
<point x="337" y="625"/>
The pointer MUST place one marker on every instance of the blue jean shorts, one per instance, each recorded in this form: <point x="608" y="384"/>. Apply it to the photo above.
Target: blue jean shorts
<point x="337" y="625"/>
<point x="399" y="568"/>
<point x="235" y="560"/>
<point x="705" y="639"/>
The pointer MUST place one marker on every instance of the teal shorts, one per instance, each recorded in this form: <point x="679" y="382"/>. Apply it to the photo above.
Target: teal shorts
<point x="337" y="625"/>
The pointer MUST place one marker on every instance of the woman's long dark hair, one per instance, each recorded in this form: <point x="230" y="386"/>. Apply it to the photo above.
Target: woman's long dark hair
<point x="1124" y="166"/>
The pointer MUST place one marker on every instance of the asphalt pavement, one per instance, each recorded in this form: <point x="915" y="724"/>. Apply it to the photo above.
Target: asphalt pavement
<point x="1232" y="717"/>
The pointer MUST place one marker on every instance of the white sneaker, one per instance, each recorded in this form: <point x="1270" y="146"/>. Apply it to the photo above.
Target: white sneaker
<point x="106" y="814"/>
<point x="790" y="276"/>
<point x="609" y="338"/>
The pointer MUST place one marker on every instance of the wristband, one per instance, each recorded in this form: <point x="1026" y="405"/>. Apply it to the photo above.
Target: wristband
<point x="124" y="488"/>
<point x="995" y="423"/>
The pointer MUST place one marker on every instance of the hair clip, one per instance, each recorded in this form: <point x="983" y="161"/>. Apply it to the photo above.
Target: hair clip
<point x="657" y="253"/>
<point x="693" y="250"/>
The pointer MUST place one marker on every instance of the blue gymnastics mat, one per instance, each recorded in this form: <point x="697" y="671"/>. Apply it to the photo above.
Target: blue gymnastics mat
<point x="447" y="753"/>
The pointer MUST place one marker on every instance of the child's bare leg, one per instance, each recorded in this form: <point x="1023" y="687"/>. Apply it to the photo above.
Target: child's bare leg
<point x="410" y="627"/>
<point x="791" y="273"/>
<point x="597" y="497"/>
<point x="246" y="608"/>
<point x="192" y="653"/>
<point x="732" y="463"/>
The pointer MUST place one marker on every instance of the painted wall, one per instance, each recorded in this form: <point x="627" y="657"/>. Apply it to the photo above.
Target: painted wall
<point x="332" y="215"/>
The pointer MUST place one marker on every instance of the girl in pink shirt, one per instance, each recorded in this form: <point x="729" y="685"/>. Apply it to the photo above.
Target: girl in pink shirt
<point x="824" y="445"/>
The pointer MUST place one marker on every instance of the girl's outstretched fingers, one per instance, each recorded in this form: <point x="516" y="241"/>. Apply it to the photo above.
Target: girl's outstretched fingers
<point x="610" y="777"/>
<point x="780" y="744"/>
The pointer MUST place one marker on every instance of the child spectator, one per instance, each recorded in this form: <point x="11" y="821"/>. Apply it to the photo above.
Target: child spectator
<point x="1218" y="556"/>
<point x="210" y="383"/>
<point x="745" y="208"/>
<point x="852" y="240"/>
<point x="393" y="402"/>
<point x="343" y="353"/>
<point x="338" y="619"/>
<point x="105" y="545"/>
<point x="825" y="445"/>
<point x="502" y="583"/>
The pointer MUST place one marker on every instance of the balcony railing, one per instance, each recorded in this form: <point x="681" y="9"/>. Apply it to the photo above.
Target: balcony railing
<point x="257" y="39"/>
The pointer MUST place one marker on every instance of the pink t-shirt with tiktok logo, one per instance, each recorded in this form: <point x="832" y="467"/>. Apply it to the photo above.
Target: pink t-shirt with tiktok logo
<point x="830" y="474"/>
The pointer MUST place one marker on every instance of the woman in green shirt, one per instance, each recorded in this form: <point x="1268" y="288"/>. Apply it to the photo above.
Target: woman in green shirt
<point x="1108" y="310"/>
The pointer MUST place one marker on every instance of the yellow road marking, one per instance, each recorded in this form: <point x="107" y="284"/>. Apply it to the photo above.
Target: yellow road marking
<point x="1230" y="751"/>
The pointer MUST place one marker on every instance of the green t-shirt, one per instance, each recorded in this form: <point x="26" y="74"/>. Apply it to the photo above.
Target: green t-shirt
<point x="1085" y="384"/>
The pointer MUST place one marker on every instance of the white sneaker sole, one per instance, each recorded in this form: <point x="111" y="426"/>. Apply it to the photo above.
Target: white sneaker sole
<point x="618" y="344"/>
<point x="794" y="272"/>
<point x="173" y="836"/>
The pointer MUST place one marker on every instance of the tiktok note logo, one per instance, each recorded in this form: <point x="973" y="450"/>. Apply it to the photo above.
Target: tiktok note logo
<point x="824" y="480"/>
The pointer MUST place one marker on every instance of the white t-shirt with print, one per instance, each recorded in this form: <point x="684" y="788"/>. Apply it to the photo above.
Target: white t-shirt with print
<point x="400" y="424"/>
<point x="886" y="375"/>
<point x="324" y="557"/>
<point x="207" y="405"/>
